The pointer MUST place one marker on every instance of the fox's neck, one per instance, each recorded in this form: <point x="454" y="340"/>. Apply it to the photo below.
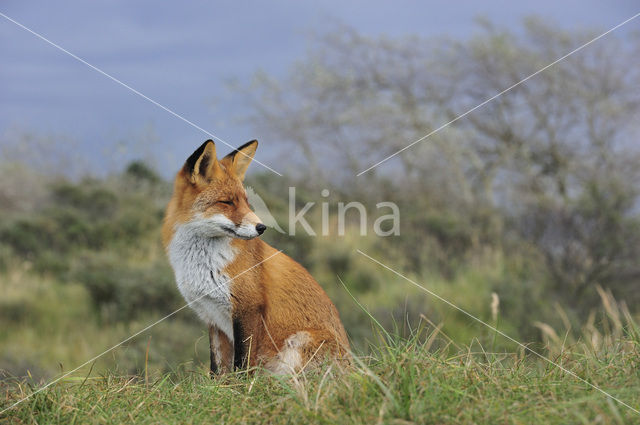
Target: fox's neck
<point x="200" y="265"/>
<point x="193" y="250"/>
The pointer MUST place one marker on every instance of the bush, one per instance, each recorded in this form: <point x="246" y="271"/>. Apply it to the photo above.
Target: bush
<point x="121" y="291"/>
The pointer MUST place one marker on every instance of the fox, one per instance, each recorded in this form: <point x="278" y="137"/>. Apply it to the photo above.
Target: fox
<point x="262" y="308"/>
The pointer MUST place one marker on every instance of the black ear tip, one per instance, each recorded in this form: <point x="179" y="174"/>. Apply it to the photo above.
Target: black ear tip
<point x="246" y="145"/>
<point x="191" y="161"/>
<point x="252" y="142"/>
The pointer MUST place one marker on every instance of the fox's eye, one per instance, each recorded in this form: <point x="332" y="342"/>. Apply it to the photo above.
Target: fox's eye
<point x="226" y="202"/>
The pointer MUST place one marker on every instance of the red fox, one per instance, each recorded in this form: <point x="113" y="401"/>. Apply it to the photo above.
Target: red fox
<point x="261" y="306"/>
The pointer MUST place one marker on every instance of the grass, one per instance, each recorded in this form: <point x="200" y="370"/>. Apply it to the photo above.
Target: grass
<point x="401" y="381"/>
<point x="423" y="378"/>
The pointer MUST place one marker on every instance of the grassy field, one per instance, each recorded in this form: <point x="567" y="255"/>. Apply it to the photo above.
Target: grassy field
<point x="401" y="381"/>
<point x="86" y="270"/>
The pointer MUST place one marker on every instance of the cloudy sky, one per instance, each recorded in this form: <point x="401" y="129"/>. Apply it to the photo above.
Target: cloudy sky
<point x="182" y="55"/>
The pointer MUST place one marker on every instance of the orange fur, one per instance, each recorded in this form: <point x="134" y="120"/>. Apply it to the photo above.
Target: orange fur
<point x="279" y="311"/>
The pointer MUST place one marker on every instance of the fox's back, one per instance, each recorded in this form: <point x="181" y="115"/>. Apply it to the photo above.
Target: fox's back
<point x="289" y="296"/>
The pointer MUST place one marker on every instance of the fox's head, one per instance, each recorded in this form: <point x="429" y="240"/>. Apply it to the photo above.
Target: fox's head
<point x="209" y="195"/>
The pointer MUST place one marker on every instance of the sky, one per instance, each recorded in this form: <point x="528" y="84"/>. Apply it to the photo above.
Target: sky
<point x="183" y="55"/>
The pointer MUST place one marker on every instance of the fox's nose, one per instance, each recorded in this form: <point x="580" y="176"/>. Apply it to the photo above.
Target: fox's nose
<point x="260" y="228"/>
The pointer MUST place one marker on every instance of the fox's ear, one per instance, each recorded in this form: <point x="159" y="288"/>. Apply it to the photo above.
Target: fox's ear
<point x="238" y="161"/>
<point x="202" y="165"/>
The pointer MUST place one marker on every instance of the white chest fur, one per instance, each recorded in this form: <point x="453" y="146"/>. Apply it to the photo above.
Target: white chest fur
<point x="199" y="262"/>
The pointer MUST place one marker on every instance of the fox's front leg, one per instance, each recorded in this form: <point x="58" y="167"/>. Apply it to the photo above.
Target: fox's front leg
<point x="221" y="348"/>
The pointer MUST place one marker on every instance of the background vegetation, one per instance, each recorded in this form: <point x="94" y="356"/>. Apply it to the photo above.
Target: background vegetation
<point x="532" y="200"/>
